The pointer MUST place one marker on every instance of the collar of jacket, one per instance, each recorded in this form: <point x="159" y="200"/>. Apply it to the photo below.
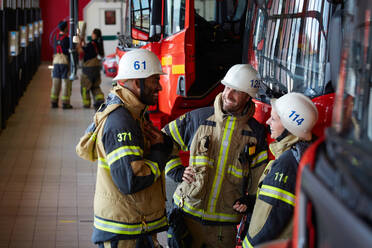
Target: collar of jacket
<point x="131" y="102"/>
<point x="278" y="147"/>
<point x="220" y="115"/>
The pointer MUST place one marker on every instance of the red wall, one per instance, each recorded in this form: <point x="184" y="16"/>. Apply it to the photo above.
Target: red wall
<point x="52" y="12"/>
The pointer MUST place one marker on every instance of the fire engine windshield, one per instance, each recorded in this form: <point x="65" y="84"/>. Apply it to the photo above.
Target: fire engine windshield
<point x="289" y="45"/>
<point x="353" y="107"/>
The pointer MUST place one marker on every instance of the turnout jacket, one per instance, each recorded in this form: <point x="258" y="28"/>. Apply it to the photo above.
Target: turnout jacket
<point x="225" y="151"/>
<point x="61" y="56"/>
<point x="92" y="65"/>
<point x="272" y="216"/>
<point x="129" y="200"/>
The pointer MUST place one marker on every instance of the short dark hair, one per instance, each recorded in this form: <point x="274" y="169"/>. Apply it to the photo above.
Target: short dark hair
<point x="62" y="25"/>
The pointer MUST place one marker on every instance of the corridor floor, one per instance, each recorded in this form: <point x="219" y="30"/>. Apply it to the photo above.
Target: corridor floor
<point x="46" y="190"/>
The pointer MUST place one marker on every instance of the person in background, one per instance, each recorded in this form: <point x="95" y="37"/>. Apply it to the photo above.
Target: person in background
<point x="227" y="148"/>
<point x="61" y="68"/>
<point x="292" y="118"/>
<point x="91" y="71"/>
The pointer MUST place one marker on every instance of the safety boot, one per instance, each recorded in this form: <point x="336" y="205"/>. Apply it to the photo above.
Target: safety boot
<point x="66" y="106"/>
<point x="54" y="105"/>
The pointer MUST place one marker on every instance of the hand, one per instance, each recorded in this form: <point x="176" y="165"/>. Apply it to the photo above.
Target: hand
<point x="188" y="175"/>
<point x="154" y="135"/>
<point x="241" y="208"/>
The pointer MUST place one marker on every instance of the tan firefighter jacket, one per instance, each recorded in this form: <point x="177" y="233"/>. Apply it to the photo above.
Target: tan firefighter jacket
<point x="129" y="198"/>
<point x="225" y="151"/>
<point x="272" y="216"/>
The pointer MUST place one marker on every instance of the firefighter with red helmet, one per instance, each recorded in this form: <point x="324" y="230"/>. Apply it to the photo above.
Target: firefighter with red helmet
<point x="129" y="202"/>
<point x="227" y="147"/>
<point x="292" y="118"/>
<point x="61" y="68"/>
<point x="91" y="70"/>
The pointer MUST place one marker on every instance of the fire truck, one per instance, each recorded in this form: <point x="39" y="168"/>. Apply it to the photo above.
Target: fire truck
<point x="296" y="47"/>
<point x="197" y="41"/>
<point x="334" y="184"/>
<point x="334" y="189"/>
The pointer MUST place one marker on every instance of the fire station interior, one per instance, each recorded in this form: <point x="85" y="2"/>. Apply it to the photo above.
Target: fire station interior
<point x="321" y="48"/>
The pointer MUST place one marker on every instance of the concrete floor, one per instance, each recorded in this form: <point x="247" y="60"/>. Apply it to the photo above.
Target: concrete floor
<point x="46" y="190"/>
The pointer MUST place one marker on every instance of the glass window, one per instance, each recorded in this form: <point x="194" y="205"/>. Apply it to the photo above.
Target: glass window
<point x="174" y="16"/>
<point x="290" y="45"/>
<point x="141" y="15"/>
<point x="353" y="113"/>
<point x="206" y="9"/>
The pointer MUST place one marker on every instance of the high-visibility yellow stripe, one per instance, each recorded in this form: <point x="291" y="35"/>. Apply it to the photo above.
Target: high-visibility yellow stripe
<point x="102" y="163"/>
<point x="178" y="69"/>
<point x="99" y="97"/>
<point x="277" y="193"/>
<point x="154" y="168"/>
<point x="176" y="135"/>
<point x="221" y="164"/>
<point x="206" y="215"/>
<point x="93" y="136"/>
<point x="123" y="151"/>
<point x="173" y="163"/>
<point x="54" y="97"/>
<point x="259" y="158"/>
<point x="129" y="229"/>
<point x="235" y="171"/>
<point x="246" y="243"/>
<point x="201" y="160"/>
<point x="166" y="60"/>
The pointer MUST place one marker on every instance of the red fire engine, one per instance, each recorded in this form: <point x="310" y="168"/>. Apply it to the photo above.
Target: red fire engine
<point x="296" y="46"/>
<point x="198" y="41"/>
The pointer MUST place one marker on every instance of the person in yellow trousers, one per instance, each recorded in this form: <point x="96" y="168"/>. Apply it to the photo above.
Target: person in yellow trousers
<point x="61" y="68"/>
<point x="91" y="70"/>
<point x="129" y="201"/>
<point x="227" y="148"/>
<point x="292" y="118"/>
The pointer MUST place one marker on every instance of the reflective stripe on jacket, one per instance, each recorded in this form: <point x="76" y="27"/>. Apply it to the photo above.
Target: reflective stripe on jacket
<point x="216" y="142"/>
<point x="273" y="211"/>
<point x="129" y="198"/>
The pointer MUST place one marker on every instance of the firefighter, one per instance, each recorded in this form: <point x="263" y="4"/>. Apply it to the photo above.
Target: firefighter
<point x="91" y="71"/>
<point x="61" y="68"/>
<point x="227" y="147"/>
<point x="292" y="119"/>
<point x="129" y="202"/>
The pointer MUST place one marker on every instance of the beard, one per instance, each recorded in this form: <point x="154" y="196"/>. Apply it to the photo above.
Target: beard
<point x="148" y="97"/>
<point x="231" y="107"/>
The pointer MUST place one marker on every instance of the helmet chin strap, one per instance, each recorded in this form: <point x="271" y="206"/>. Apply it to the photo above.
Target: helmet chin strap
<point x="284" y="134"/>
<point x="142" y="87"/>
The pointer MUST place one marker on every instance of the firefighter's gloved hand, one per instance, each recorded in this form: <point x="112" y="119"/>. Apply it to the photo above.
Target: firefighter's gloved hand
<point x="166" y="146"/>
<point x="162" y="151"/>
<point x="245" y="204"/>
<point x="154" y="135"/>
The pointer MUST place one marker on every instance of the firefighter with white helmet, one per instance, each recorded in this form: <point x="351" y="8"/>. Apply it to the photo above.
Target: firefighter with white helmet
<point x="129" y="203"/>
<point x="244" y="78"/>
<point x="227" y="146"/>
<point x="292" y="118"/>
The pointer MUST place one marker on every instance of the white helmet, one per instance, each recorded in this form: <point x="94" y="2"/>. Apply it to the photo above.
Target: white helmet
<point x="139" y="63"/>
<point x="297" y="113"/>
<point x="243" y="77"/>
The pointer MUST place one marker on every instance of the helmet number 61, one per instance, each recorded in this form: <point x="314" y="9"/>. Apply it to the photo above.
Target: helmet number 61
<point x="137" y="65"/>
